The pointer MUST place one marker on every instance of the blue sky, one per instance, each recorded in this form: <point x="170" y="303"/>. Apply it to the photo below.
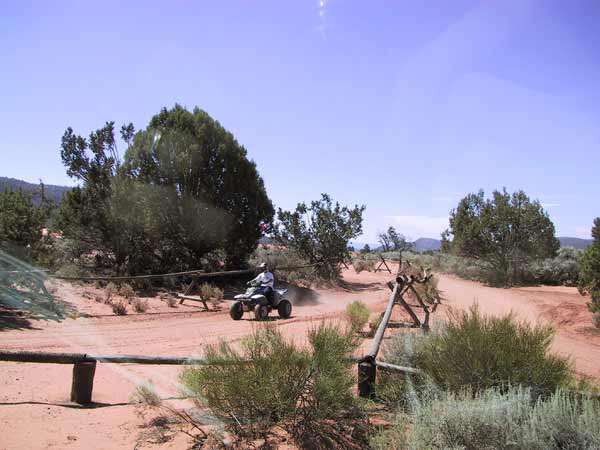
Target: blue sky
<point x="402" y="106"/>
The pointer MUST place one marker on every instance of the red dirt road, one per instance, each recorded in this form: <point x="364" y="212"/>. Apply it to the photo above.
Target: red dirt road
<point x="34" y="397"/>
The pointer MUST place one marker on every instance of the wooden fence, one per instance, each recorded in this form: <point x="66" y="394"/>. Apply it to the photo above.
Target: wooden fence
<point x="84" y="366"/>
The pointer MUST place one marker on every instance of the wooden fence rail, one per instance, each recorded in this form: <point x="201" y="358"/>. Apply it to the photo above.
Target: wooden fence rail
<point x="84" y="366"/>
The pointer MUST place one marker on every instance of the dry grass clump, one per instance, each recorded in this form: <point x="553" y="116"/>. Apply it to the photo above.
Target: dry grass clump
<point x="139" y="305"/>
<point x="361" y="265"/>
<point x="126" y="291"/>
<point x="170" y="301"/>
<point x="119" y="307"/>
<point x="212" y="294"/>
<point x="110" y="291"/>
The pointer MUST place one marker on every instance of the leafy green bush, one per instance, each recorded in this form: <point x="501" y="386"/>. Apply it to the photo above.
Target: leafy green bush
<point x="478" y="352"/>
<point x="361" y="264"/>
<point x="357" y="315"/>
<point x="495" y="420"/>
<point x="271" y="382"/>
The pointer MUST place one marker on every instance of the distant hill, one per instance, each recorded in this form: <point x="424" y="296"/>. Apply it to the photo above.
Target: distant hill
<point x="425" y="244"/>
<point x="575" y="242"/>
<point x="53" y="192"/>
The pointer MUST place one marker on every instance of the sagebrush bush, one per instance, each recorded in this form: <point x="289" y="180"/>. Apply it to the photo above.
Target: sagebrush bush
<point x="119" y="308"/>
<point x="139" y="305"/>
<point x="560" y="270"/>
<point x="212" y="294"/>
<point x="110" y="291"/>
<point x="361" y="264"/>
<point x="271" y="381"/>
<point x="126" y="291"/>
<point x="170" y="301"/>
<point x="357" y="315"/>
<point x="495" y="420"/>
<point x="478" y="352"/>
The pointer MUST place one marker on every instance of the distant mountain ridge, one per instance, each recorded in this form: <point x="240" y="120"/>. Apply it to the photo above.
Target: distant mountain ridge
<point x="580" y="243"/>
<point x="53" y="192"/>
<point x="429" y="244"/>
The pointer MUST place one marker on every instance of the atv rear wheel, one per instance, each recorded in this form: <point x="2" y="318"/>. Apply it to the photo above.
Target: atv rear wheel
<point x="284" y="309"/>
<point x="236" y="310"/>
<point x="261" y="312"/>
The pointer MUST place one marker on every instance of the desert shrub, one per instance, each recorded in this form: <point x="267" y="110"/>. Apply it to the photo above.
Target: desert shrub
<point x="170" y="301"/>
<point x="596" y="319"/>
<point x="480" y="352"/>
<point x="271" y="382"/>
<point x="110" y="291"/>
<point x="361" y="264"/>
<point x="277" y="256"/>
<point x="212" y="294"/>
<point x="139" y="305"/>
<point x="560" y="270"/>
<point x="357" y="315"/>
<point x="495" y="420"/>
<point x="119" y="308"/>
<point x="71" y="270"/>
<point x="126" y="291"/>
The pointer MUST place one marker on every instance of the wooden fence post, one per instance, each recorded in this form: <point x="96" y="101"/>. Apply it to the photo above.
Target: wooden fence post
<point x="83" y="382"/>
<point x="367" y="375"/>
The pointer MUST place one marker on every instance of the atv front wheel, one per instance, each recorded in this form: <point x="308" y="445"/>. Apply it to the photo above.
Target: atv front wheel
<point x="261" y="312"/>
<point x="236" y="310"/>
<point x="284" y="309"/>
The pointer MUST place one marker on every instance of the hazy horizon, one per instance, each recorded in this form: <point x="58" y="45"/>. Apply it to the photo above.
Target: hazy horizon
<point x="402" y="107"/>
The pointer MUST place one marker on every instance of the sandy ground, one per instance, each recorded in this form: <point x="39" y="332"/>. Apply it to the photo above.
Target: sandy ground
<point x="34" y="398"/>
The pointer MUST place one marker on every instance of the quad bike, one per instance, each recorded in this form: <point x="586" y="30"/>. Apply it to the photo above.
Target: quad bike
<point x="257" y="302"/>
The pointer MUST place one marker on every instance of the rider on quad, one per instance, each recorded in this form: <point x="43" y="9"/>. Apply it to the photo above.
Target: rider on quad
<point x="265" y="282"/>
<point x="261" y="298"/>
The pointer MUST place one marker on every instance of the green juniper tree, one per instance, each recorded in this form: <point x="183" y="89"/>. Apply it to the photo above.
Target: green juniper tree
<point x="183" y="189"/>
<point x="589" y="272"/>
<point x="506" y="231"/>
<point x="320" y="232"/>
